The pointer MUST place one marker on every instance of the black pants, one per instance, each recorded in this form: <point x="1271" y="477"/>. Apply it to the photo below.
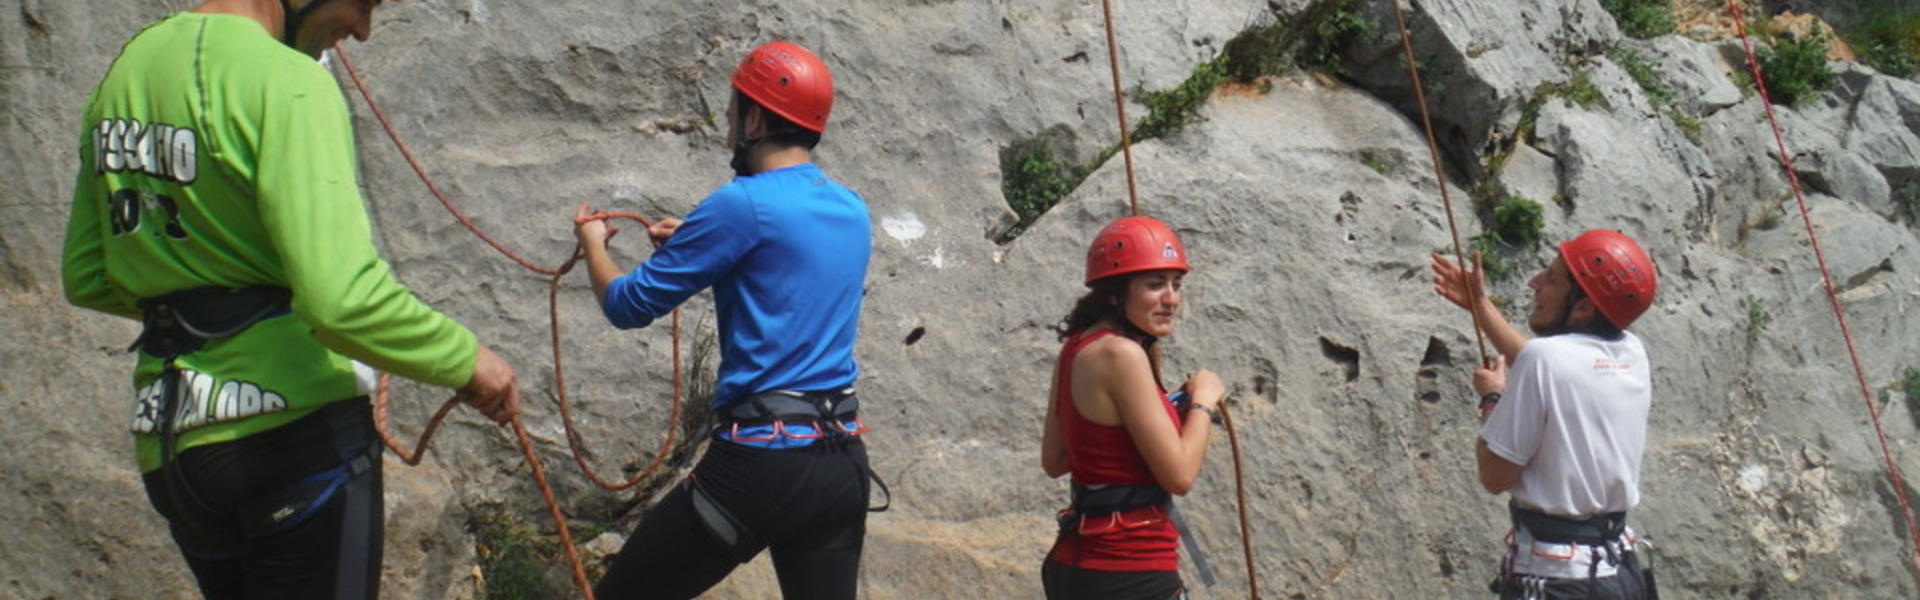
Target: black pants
<point x="808" y="506"/>
<point x="1629" y="582"/>
<point x="293" y="512"/>
<point x="1063" y="582"/>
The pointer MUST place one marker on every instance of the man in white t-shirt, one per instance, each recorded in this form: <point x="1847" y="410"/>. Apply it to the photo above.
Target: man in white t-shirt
<point x="1563" y="432"/>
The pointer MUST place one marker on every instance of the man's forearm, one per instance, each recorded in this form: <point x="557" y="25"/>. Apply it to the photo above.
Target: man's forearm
<point x="601" y="270"/>
<point x="1506" y="339"/>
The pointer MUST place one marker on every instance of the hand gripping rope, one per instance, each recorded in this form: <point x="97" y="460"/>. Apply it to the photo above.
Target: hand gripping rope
<point x="1133" y="203"/>
<point x="1833" y="297"/>
<point x="554" y="275"/>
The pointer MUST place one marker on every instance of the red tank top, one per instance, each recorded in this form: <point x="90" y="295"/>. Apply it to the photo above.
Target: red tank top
<point x="1137" y="540"/>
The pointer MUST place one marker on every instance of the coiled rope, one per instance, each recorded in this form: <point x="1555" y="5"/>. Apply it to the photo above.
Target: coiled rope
<point x="554" y="275"/>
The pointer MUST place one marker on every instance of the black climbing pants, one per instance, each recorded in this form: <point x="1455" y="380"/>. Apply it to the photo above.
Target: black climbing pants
<point x="294" y="512"/>
<point x="807" y="506"/>
<point x="1063" y="582"/>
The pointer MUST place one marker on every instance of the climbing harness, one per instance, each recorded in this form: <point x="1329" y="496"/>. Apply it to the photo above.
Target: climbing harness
<point x="554" y="275"/>
<point x="176" y="324"/>
<point x="1833" y="297"/>
<point x="1133" y="199"/>
<point x="832" y="417"/>
<point x="1604" y="535"/>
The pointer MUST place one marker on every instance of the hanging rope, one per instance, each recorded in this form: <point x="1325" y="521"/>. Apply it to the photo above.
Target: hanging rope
<point x="554" y="275"/>
<point x="1440" y="178"/>
<point x="1833" y="297"/>
<point x="1133" y="196"/>
<point x="1120" y="109"/>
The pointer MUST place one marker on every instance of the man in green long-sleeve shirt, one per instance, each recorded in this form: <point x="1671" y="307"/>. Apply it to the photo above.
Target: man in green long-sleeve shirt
<point x="216" y="191"/>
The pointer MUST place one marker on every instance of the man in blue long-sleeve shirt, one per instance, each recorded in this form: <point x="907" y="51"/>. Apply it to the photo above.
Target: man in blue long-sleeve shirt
<point x="785" y="250"/>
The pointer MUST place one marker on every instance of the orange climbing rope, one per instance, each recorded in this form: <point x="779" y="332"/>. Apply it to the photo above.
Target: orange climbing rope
<point x="1440" y="178"/>
<point x="554" y="275"/>
<point x="1833" y="297"/>
<point x="1133" y="195"/>
<point x="1120" y="110"/>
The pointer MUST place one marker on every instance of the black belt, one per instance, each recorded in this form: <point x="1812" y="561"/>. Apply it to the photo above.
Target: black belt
<point x="1109" y="499"/>
<point x="181" y="322"/>
<point x="828" y="412"/>
<point x="1596" y="530"/>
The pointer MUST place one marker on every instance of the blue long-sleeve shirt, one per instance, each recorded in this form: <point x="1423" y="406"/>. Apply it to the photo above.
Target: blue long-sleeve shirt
<point x="786" y="254"/>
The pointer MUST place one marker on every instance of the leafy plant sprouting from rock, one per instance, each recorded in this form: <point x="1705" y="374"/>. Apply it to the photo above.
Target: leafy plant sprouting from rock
<point x="1516" y="226"/>
<point x="1330" y="26"/>
<point x="1796" y="69"/>
<point x="1518" y="221"/>
<point x="1642" y="73"/>
<point x="1034" y="178"/>
<point x="1169" y="110"/>
<point x="1641" y="18"/>
<point x="1757" y="318"/>
<point x="1492" y="255"/>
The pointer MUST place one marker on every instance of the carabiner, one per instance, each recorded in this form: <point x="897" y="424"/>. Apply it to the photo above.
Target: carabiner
<point x="771" y="435"/>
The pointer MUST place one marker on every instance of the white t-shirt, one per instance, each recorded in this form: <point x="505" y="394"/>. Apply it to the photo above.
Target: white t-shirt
<point x="1574" y="417"/>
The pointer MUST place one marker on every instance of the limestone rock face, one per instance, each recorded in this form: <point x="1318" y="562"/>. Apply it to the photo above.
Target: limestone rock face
<point x="1308" y="204"/>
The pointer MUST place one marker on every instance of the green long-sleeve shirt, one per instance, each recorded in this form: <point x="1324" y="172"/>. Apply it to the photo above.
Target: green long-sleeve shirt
<point x="212" y="155"/>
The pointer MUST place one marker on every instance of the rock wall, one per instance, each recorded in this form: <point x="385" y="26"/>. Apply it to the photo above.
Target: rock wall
<point x="1308" y="205"/>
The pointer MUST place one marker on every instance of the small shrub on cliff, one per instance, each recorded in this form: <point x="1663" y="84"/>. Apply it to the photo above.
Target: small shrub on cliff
<point x="1334" y="24"/>
<point x="1518" y="221"/>
<point x="1641" y="18"/>
<point x="1032" y="180"/>
<point x="1796" y="70"/>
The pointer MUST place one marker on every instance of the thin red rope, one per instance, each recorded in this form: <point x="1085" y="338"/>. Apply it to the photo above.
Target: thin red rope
<point x="1833" y="296"/>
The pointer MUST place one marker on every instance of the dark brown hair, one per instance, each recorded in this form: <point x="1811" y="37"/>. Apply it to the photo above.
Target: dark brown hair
<point x="1107" y="301"/>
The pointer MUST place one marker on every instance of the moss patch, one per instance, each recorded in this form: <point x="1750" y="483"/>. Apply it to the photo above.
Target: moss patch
<point x="1376" y="159"/>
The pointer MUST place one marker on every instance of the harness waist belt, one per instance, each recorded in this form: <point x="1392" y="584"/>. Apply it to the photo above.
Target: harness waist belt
<point x="785" y="405"/>
<point x="1595" y="530"/>
<point x="181" y="322"/>
<point x="1107" y="499"/>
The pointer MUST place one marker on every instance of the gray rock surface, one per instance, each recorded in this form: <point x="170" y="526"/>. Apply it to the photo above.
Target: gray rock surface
<point x="1310" y="294"/>
<point x="1695" y="72"/>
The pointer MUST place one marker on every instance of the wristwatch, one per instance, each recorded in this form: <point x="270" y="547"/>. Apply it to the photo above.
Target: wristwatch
<point x="1489" y="400"/>
<point x="1211" y="415"/>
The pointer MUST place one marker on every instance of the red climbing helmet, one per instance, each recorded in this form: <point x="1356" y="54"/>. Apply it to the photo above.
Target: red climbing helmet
<point x="790" y="81"/>
<point x="1132" y="245"/>
<point x="1614" y="271"/>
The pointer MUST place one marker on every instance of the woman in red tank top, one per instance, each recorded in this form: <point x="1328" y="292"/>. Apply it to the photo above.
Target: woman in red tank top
<point x="1111" y="425"/>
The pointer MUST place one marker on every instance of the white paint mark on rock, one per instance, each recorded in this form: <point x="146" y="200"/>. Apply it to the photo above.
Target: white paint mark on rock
<point x="904" y="227"/>
<point x="1753" y="477"/>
